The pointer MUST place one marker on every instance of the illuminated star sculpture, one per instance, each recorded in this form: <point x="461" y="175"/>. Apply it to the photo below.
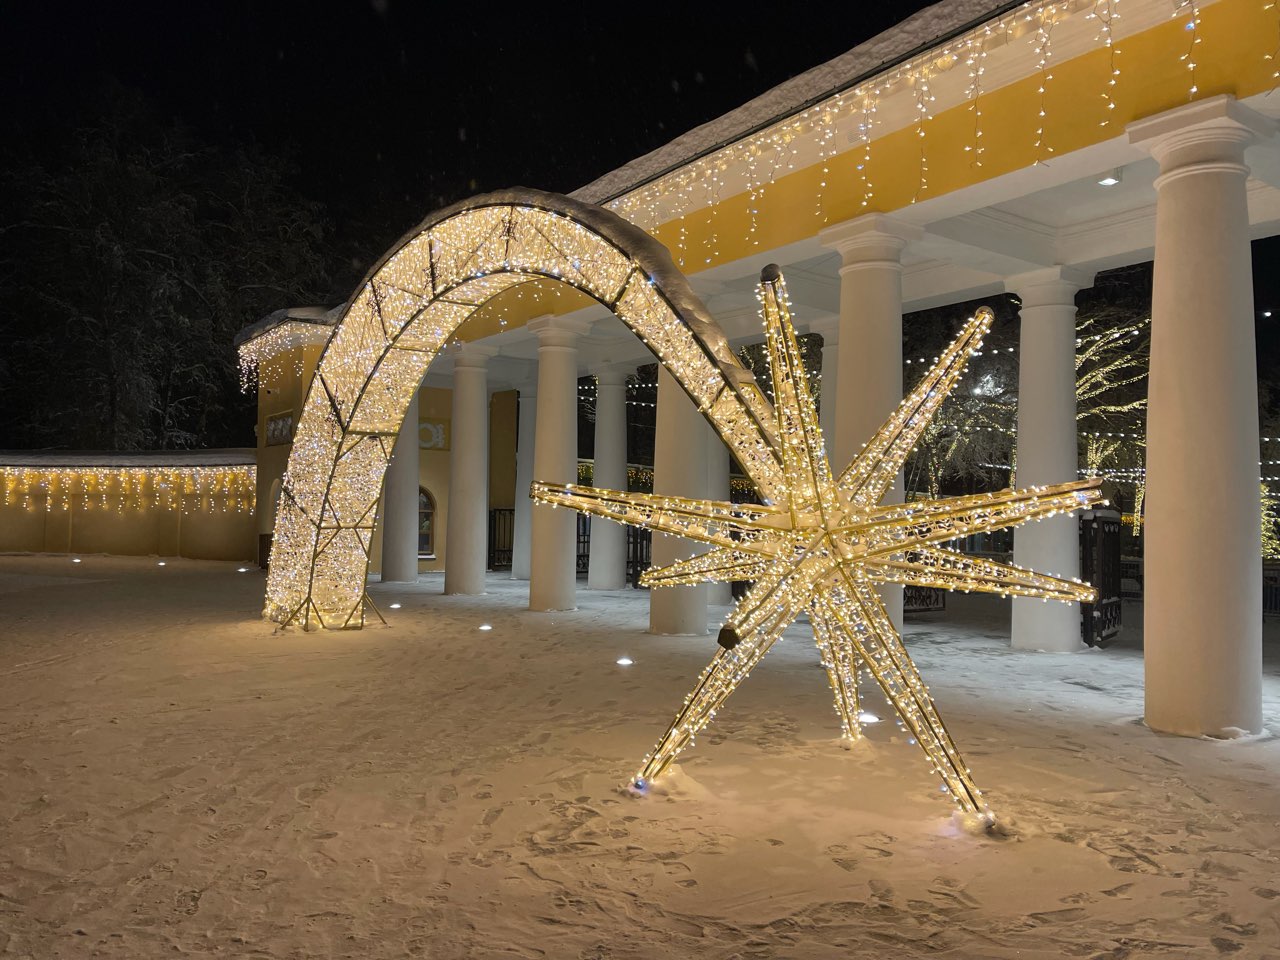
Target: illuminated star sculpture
<point x="826" y="546"/>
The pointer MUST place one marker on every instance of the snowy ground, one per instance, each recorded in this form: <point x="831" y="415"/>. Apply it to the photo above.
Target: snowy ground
<point x="176" y="779"/>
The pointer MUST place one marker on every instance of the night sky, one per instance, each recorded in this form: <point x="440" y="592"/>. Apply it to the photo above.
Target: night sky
<point x="392" y="108"/>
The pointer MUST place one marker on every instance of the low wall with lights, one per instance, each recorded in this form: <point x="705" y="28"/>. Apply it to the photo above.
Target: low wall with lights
<point x="198" y="505"/>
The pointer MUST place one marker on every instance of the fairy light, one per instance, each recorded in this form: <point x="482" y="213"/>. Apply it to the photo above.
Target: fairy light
<point x="821" y="544"/>
<point x="1046" y="20"/>
<point x="847" y="117"/>
<point x="975" y="48"/>
<point x="1106" y="12"/>
<point x="210" y="489"/>
<point x="866" y="125"/>
<point x="258" y="355"/>
<point x="1274" y="55"/>
<point x="1191" y="9"/>
<point x="923" y="99"/>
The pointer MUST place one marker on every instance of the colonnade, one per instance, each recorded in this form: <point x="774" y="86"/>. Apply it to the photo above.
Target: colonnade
<point x="1202" y="579"/>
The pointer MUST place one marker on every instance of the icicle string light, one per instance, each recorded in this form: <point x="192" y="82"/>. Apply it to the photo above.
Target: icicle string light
<point x="820" y="545"/>
<point x="848" y="119"/>
<point x="1274" y="56"/>
<point x="1107" y="12"/>
<point x="1191" y="10"/>
<point x="259" y="355"/>
<point x="211" y="489"/>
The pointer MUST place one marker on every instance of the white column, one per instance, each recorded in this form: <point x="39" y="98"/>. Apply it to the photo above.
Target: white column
<point x="607" y="565"/>
<point x="679" y="469"/>
<point x="1047" y="447"/>
<point x="718" y="594"/>
<point x="522" y="521"/>
<point x="1202" y="609"/>
<point x="829" y="328"/>
<point x="467" y="543"/>
<point x="400" y="504"/>
<point x="869" y="363"/>
<point x="552" y="574"/>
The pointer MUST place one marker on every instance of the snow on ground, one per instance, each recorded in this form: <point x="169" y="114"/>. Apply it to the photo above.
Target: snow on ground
<point x="176" y="778"/>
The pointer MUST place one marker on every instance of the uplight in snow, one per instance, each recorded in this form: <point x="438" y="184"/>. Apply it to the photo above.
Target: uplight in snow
<point x="242" y="570"/>
<point x="75" y="559"/>
<point x="160" y="564"/>
<point x="485" y="626"/>
<point x="395" y="606"/>
<point x="625" y="661"/>
<point x="865" y="717"/>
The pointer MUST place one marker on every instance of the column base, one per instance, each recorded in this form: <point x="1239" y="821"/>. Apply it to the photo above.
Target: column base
<point x="1048" y="626"/>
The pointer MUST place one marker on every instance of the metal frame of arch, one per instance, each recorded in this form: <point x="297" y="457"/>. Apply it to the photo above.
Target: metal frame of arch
<point x="407" y="309"/>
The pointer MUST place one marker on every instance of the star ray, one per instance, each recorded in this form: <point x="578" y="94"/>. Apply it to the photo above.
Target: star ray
<point x="841" y="663"/>
<point x="874" y="470"/>
<point x="950" y="570"/>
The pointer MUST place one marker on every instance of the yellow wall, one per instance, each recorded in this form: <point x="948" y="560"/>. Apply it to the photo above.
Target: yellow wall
<point x="134" y="531"/>
<point x="502" y="450"/>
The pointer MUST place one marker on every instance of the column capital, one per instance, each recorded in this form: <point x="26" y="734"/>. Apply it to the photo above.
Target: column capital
<point x="473" y="355"/>
<point x="555" y="331"/>
<point x="1049" y="286"/>
<point x="1208" y="134"/>
<point x="828" y="328"/>
<point x="612" y="374"/>
<point x="870" y="238"/>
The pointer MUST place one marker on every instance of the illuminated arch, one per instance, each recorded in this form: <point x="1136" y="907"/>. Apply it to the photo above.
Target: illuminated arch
<point x="404" y="312"/>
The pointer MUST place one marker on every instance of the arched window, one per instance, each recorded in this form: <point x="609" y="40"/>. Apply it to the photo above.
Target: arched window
<point x="426" y="524"/>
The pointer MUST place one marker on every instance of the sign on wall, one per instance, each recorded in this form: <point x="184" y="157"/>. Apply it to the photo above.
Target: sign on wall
<point x="433" y="434"/>
<point x="280" y="429"/>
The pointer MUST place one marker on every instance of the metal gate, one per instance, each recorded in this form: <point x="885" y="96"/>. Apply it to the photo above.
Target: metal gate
<point x="583" y="555"/>
<point x="639" y="545"/>
<point x="1100" y="538"/>
<point x="502" y="525"/>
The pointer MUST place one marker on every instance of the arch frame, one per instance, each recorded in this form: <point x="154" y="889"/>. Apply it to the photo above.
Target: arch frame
<point x="405" y="312"/>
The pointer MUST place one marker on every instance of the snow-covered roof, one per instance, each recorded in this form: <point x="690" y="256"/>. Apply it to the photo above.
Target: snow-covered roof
<point x="918" y="33"/>
<point x="320" y="316"/>
<point x="45" y="459"/>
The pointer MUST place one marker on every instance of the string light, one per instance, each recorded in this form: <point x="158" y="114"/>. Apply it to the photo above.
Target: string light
<point x="975" y="57"/>
<point x="1192" y="26"/>
<point x="1106" y="12"/>
<point x="923" y="100"/>
<point x="258" y="355"/>
<point x="210" y="489"/>
<point x="821" y="544"/>
<point x="1046" y="19"/>
<point x="1274" y="55"/>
